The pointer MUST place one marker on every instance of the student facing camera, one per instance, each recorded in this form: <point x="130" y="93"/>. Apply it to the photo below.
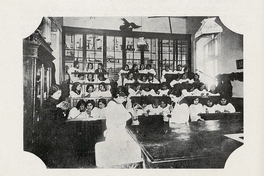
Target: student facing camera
<point x="195" y="109"/>
<point x="78" y="111"/>
<point x="224" y="106"/>
<point x="89" y="105"/>
<point x="100" y="111"/>
<point x="102" y="91"/>
<point x="163" y="89"/>
<point x="90" y="91"/>
<point x="209" y="107"/>
<point x="76" y="90"/>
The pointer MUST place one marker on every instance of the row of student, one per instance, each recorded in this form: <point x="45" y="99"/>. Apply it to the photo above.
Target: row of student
<point x="179" y="70"/>
<point x="52" y="110"/>
<point x="145" y="69"/>
<point x="188" y="113"/>
<point x="131" y="78"/>
<point x="194" y="90"/>
<point x="150" y="78"/>
<point x="183" y="78"/>
<point x="90" y="78"/>
<point x="90" y="69"/>
<point x="88" y="110"/>
<point x="91" y="91"/>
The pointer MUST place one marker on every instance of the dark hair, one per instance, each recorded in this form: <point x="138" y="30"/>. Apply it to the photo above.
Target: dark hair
<point x="178" y="76"/>
<point x="154" y="100"/>
<point x="133" y="67"/>
<point x="89" y="64"/>
<point x="186" y="68"/>
<point x="224" y="97"/>
<point x="100" y="65"/>
<point x="210" y="101"/>
<point x="196" y="74"/>
<point x="148" y="66"/>
<point x="163" y="99"/>
<point x="195" y="98"/>
<point x="150" y="74"/>
<point x="163" y="84"/>
<point x="75" y="63"/>
<point x="101" y="75"/>
<point x="102" y="101"/>
<point x="147" y="87"/>
<point x="136" y="84"/>
<point x="80" y="102"/>
<point x="74" y="86"/>
<point x="129" y="74"/>
<point x="126" y="66"/>
<point x="120" y="90"/>
<point x="89" y="85"/>
<point x="80" y="74"/>
<point x="90" y="101"/>
<point x="201" y="84"/>
<point x="54" y="88"/>
<point x="103" y="84"/>
<point x="142" y="65"/>
<point x="175" y="92"/>
<point x="92" y="76"/>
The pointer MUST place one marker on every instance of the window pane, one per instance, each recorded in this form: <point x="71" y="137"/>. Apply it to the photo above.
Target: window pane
<point x="94" y="50"/>
<point x="114" y="54"/>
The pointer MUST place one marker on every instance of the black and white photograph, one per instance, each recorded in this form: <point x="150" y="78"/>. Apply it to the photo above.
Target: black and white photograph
<point x="132" y="88"/>
<point x="133" y="92"/>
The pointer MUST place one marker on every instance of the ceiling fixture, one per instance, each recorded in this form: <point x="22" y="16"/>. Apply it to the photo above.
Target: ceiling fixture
<point x="209" y="27"/>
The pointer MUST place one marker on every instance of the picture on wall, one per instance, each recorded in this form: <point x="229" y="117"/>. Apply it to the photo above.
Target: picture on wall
<point x="239" y="64"/>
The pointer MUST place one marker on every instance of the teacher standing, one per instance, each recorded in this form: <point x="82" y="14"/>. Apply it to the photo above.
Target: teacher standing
<point x="119" y="147"/>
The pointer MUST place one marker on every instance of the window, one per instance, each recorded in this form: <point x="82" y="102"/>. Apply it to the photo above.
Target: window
<point x="106" y="46"/>
<point x="182" y="53"/>
<point x="94" y="50"/>
<point x="74" y="50"/>
<point x="114" y="54"/>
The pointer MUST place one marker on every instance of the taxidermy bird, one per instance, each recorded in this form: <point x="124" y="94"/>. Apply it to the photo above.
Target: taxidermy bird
<point x="128" y="26"/>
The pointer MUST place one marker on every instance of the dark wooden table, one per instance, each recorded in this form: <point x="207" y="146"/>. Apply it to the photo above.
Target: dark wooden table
<point x="85" y="133"/>
<point x="197" y="145"/>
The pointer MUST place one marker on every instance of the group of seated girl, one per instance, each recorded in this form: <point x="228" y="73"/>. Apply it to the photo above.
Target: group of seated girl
<point x="91" y="91"/>
<point x="127" y="75"/>
<point x="198" y="89"/>
<point x="91" y="75"/>
<point x="138" y="89"/>
<point x="142" y="78"/>
<point x="88" y="110"/>
<point x="100" y="68"/>
<point x="187" y="113"/>
<point x="179" y="70"/>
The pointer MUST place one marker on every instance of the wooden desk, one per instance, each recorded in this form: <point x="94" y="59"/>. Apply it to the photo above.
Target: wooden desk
<point x="199" y="145"/>
<point x="85" y="133"/>
<point x="154" y="86"/>
<point x="237" y="116"/>
<point x="149" y="99"/>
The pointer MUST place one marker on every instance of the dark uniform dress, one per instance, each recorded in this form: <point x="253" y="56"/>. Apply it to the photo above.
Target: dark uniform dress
<point x="52" y="142"/>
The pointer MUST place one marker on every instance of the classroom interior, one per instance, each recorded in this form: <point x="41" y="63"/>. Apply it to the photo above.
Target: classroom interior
<point x="203" y="45"/>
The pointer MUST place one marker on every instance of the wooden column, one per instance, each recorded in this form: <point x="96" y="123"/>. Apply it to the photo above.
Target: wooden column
<point x="30" y="54"/>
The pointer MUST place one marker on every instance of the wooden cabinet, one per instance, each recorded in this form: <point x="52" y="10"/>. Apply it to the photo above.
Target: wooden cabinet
<point x="38" y="70"/>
